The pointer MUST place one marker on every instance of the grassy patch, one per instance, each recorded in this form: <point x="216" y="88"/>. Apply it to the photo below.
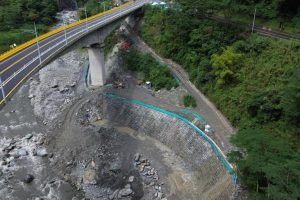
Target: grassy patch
<point x="189" y="101"/>
<point x="146" y="66"/>
<point x="110" y="41"/>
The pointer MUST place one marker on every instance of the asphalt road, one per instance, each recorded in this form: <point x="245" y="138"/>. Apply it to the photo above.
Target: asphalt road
<point x="18" y="67"/>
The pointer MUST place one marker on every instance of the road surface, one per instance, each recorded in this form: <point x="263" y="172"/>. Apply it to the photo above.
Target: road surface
<point x="19" y="66"/>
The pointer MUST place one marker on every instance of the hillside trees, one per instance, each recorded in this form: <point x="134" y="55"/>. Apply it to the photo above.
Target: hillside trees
<point x="291" y="100"/>
<point x="149" y="69"/>
<point x="19" y="12"/>
<point x="279" y="10"/>
<point x="94" y="7"/>
<point x="268" y="166"/>
<point x="17" y="18"/>
<point x="253" y="80"/>
<point x="224" y="66"/>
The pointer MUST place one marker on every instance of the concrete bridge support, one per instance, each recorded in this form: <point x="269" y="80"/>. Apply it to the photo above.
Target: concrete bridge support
<point x="97" y="65"/>
<point x="94" y="42"/>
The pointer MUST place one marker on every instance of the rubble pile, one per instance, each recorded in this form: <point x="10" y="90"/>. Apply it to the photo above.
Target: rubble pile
<point x="89" y="112"/>
<point x="150" y="177"/>
<point x="22" y="160"/>
<point x="17" y="148"/>
<point x="49" y="97"/>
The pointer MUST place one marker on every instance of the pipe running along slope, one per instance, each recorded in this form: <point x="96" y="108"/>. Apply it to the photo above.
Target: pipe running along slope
<point x="221" y="156"/>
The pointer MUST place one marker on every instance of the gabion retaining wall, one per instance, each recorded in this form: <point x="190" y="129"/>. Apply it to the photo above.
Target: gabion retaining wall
<point x="214" y="181"/>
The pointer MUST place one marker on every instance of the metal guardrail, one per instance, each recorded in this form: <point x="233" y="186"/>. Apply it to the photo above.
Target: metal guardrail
<point x="53" y="32"/>
<point x="18" y="78"/>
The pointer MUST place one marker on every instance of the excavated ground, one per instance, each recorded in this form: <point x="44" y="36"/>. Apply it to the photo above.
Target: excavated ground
<point x="59" y="140"/>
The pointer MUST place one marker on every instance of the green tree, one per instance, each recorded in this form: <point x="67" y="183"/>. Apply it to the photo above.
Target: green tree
<point x="18" y="16"/>
<point x="225" y="64"/>
<point x="189" y="101"/>
<point x="265" y="105"/>
<point x="267" y="165"/>
<point x="291" y="98"/>
<point x="159" y="75"/>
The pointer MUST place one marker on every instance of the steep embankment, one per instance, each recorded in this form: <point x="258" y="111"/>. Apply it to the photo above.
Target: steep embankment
<point x="253" y="80"/>
<point x="212" y="180"/>
<point x="108" y="132"/>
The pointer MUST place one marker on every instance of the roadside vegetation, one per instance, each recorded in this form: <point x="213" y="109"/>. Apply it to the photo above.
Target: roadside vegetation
<point x="17" y="19"/>
<point x="149" y="69"/>
<point x="277" y="14"/>
<point x="189" y="101"/>
<point x="253" y="80"/>
<point x="110" y="41"/>
<point x="93" y="7"/>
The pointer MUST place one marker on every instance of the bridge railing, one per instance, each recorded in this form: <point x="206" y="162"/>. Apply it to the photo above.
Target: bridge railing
<point x="55" y="31"/>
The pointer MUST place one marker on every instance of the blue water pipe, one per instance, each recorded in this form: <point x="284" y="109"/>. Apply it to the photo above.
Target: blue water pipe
<point x="213" y="145"/>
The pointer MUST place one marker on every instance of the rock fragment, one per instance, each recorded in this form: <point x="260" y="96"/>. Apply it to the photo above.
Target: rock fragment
<point x="28" y="136"/>
<point x="73" y="84"/>
<point x="21" y="152"/>
<point x="160" y="195"/>
<point x="113" y="195"/>
<point x="42" y="152"/>
<point x="90" y="177"/>
<point x="130" y="179"/>
<point x="28" y="178"/>
<point x="125" y="192"/>
<point x="137" y="157"/>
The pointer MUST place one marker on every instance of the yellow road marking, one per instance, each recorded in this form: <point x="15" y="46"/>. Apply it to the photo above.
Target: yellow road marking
<point x="10" y="66"/>
<point x="9" y="53"/>
<point x="50" y="33"/>
<point x="15" y="87"/>
<point x="7" y="68"/>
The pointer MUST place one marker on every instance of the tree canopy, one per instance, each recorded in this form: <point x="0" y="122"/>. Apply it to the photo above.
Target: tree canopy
<point x="253" y="80"/>
<point x="14" y="13"/>
<point x="265" y="9"/>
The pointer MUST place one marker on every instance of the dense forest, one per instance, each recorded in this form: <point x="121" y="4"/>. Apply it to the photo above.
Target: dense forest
<point x="283" y="14"/>
<point x="265" y="9"/>
<point x="253" y="80"/>
<point x="94" y="6"/>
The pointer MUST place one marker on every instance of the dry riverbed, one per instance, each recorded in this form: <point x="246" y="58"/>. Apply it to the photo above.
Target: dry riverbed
<point x="55" y="142"/>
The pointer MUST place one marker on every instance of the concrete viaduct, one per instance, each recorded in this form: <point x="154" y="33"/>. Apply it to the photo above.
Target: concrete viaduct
<point x="21" y="62"/>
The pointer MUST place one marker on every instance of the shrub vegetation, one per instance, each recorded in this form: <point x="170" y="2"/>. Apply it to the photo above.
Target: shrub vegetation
<point x="253" y="80"/>
<point x="189" y="101"/>
<point x="159" y="75"/>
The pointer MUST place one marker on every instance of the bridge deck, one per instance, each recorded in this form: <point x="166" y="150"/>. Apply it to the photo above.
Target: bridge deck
<point x="19" y="63"/>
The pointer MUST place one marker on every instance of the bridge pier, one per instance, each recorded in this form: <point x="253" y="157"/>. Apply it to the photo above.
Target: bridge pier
<point x="97" y="65"/>
<point x="94" y="43"/>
